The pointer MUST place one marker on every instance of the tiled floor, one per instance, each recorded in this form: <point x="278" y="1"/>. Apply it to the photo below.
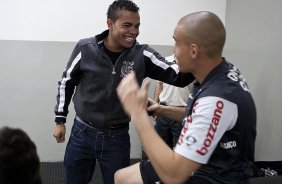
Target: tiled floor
<point x="53" y="173"/>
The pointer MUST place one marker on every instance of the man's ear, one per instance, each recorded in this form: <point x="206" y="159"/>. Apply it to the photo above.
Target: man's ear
<point x="110" y="24"/>
<point x="195" y="51"/>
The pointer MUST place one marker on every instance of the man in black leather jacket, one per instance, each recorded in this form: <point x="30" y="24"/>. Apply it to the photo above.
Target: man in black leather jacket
<point x="95" y="68"/>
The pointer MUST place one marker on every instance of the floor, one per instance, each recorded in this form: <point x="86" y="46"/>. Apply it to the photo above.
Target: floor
<point x="53" y="173"/>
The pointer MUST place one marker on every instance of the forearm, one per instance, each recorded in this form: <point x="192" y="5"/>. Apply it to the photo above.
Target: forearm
<point x="171" y="112"/>
<point x="170" y="167"/>
<point x="158" y="152"/>
<point x="64" y="96"/>
<point x="157" y="92"/>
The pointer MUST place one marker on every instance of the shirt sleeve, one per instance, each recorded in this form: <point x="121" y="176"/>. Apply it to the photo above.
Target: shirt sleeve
<point x="158" y="68"/>
<point x="211" y="117"/>
<point x="66" y="86"/>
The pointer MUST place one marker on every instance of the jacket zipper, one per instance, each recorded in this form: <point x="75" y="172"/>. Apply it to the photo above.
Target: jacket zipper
<point x="114" y="70"/>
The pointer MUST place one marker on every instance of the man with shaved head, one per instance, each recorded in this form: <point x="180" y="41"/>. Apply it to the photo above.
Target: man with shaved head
<point x="217" y="141"/>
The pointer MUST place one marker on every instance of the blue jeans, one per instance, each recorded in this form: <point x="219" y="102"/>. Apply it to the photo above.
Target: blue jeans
<point x="169" y="130"/>
<point x="88" y="144"/>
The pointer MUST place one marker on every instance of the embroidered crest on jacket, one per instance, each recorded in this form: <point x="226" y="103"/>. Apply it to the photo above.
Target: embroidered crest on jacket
<point x="127" y="67"/>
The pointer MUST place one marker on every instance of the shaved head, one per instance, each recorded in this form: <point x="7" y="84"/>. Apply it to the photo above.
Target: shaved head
<point x="204" y="29"/>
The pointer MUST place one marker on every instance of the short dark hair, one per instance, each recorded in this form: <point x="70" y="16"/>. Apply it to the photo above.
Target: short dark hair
<point x="118" y="5"/>
<point x="19" y="162"/>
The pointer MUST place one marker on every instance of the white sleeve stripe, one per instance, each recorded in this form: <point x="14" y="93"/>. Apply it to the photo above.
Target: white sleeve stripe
<point x="159" y="63"/>
<point x="63" y="83"/>
<point x="60" y="116"/>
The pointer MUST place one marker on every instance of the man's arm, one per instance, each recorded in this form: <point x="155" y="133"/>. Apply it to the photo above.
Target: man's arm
<point x="66" y="85"/>
<point x="171" y="112"/>
<point x="170" y="166"/>
<point x="158" y="68"/>
<point x="66" y="88"/>
<point x="157" y="92"/>
<point x="156" y="98"/>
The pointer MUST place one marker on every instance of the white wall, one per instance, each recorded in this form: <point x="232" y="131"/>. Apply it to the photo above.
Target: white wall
<point x="71" y="20"/>
<point x="254" y="44"/>
<point x="48" y="30"/>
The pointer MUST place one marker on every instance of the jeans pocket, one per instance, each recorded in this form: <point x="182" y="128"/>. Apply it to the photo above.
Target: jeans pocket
<point x="77" y="131"/>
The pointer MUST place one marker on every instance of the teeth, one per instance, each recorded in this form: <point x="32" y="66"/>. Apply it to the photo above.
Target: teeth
<point x="129" y="39"/>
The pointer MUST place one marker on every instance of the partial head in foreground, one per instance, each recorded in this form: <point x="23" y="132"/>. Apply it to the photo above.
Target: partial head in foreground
<point x="19" y="162"/>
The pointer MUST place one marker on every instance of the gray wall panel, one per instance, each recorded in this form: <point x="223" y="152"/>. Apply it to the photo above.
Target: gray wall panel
<point x="254" y="44"/>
